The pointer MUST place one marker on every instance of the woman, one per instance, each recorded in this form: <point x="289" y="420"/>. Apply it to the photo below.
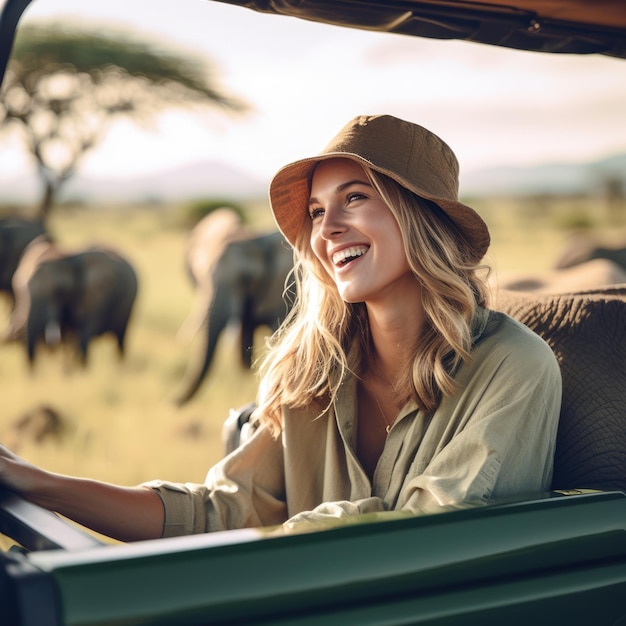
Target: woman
<point x="390" y="388"/>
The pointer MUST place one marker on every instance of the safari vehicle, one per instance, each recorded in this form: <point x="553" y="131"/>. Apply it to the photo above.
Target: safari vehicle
<point x="558" y="558"/>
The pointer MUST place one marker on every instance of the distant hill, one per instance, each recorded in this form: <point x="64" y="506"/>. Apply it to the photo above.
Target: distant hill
<point x="187" y="182"/>
<point x="549" y="178"/>
<point x="216" y="179"/>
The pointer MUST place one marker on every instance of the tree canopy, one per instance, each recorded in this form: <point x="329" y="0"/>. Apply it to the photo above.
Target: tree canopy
<point x="63" y="86"/>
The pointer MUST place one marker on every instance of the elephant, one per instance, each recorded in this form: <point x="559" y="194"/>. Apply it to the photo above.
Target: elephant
<point x="591" y="274"/>
<point x="40" y="249"/>
<point x="75" y="297"/>
<point x="15" y="234"/>
<point x="587" y="332"/>
<point x="583" y="249"/>
<point x="249" y="287"/>
<point x="207" y="240"/>
<point x="205" y="243"/>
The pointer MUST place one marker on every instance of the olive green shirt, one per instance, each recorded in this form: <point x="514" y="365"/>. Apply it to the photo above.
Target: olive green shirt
<point x="495" y="437"/>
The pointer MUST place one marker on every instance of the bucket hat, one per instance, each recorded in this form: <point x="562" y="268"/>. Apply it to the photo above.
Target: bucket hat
<point x="411" y="155"/>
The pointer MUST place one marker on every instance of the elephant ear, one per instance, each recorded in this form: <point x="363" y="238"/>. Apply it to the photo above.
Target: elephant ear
<point x="587" y="332"/>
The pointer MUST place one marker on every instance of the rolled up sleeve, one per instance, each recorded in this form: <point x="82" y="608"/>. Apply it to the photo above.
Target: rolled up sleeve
<point x="244" y="490"/>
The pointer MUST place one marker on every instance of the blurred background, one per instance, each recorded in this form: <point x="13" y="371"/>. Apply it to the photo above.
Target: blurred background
<point x="125" y="123"/>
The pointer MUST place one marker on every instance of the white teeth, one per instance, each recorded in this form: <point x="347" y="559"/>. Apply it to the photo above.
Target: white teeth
<point x="347" y="254"/>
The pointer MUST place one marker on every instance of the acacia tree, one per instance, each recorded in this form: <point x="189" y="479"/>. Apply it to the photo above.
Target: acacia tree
<point x="64" y="86"/>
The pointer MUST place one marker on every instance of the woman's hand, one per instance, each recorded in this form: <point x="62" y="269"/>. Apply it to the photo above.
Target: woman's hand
<point x="125" y="513"/>
<point x="18" y="475"/>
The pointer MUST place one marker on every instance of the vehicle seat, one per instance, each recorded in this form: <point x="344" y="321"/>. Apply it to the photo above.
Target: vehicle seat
<point x="587" y="332"/>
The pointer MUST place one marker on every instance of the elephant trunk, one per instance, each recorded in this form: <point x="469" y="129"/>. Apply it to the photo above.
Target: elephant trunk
<point x="217" y="320"/>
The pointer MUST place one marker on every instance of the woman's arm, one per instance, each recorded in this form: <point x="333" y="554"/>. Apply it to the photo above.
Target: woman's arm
<point x="124" y="513"/>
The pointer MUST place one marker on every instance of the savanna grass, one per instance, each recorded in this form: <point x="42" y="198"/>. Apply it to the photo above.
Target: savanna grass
<point x="119" y="419"/>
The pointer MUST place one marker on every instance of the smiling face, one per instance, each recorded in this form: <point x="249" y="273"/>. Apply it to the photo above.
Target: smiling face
<point x="356" y="237"/>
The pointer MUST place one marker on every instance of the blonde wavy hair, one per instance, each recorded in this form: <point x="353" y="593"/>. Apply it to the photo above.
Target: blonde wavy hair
<point x="324" y="337"/>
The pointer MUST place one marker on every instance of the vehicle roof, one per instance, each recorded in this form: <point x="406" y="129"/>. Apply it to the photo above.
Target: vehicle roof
<point x="550" y="26"/>
<point x="555" y="26"/>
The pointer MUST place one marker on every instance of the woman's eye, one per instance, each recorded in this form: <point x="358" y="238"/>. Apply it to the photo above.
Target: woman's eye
<point x="318" y="212"/>
<point x="355" y="196"/>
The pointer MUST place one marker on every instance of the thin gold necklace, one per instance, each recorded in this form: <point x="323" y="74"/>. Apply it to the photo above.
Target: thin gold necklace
<point x="380" y="408"/>
<point x="386" y="422"/>
<point x="363" y="389"/>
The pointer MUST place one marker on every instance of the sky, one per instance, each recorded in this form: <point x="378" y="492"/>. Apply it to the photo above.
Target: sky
<point x="304" y="81"/>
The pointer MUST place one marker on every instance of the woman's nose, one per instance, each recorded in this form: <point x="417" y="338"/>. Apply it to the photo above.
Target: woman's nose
<point x="332" y="224"/>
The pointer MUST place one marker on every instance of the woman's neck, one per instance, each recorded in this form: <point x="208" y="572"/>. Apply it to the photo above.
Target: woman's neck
<point x="394" y="335"/>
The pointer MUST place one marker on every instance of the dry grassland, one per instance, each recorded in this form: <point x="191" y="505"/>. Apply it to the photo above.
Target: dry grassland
<point x="120" y="422"/>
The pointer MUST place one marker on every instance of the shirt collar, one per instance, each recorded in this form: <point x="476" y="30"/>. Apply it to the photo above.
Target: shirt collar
<point x="479" y="323"/>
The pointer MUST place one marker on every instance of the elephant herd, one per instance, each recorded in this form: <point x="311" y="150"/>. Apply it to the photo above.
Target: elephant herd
<point x="242" y="277"/>
<point x="60" y="296"/>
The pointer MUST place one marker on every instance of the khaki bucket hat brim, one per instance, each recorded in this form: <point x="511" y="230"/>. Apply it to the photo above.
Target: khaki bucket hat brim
<point x="411" y="155"/>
